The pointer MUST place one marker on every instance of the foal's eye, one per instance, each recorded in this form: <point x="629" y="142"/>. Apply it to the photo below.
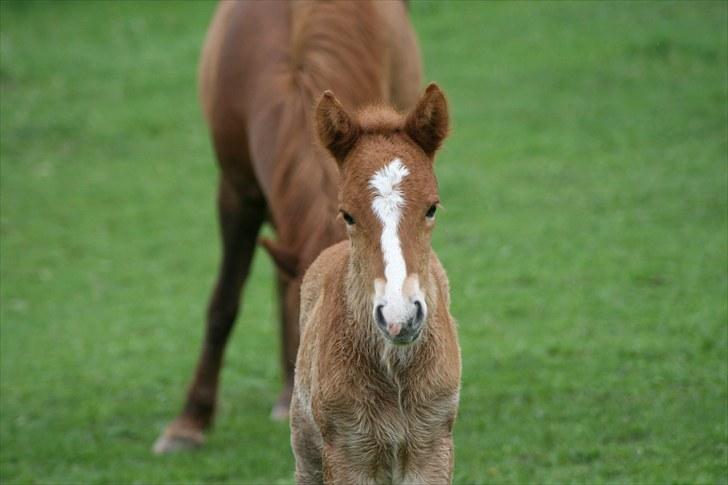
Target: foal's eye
<point x="431" y="212"/>
<point x="347" y="217"/>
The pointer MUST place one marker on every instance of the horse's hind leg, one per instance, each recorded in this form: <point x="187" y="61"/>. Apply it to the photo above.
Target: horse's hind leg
<point x="289" y="293"/>
<point x="241" y="214"/>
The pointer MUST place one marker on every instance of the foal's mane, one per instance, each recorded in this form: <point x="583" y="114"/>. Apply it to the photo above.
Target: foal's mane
<point x="379" y="120"/>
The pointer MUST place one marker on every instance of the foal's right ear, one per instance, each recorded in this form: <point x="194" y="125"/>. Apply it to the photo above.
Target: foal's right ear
<point x="337" y="131"/>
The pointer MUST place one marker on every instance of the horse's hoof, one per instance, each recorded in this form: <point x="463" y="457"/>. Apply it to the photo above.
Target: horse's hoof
<point x="279" y="412"/>
<point x="280" y="408"/>
<point x="178" y="437"/>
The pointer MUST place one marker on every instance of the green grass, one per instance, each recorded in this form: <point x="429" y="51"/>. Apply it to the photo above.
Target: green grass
<point x="585" y="235"/>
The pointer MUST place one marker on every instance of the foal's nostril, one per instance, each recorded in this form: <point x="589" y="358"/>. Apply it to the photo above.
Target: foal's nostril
<point x="420" y="314"/>
<point x="416" y="320"/>
<point x="380" y="317"/>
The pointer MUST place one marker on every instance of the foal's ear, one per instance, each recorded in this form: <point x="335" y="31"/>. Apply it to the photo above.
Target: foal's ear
<point x="428" y="123"/>
<point x="337" y="131"/>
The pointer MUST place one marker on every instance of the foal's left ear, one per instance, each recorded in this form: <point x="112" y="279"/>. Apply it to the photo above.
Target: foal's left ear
<point x="428" y="123"/>
<point x="336" y="129"/>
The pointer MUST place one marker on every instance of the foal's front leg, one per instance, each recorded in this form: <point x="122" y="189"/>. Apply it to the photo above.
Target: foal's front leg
<point x="340" y="468"/>
<point x="433" y="464"/>
<point x="306" y="445"/>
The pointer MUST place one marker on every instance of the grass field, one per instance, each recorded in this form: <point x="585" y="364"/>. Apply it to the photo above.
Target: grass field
<point x="585" y="235"/>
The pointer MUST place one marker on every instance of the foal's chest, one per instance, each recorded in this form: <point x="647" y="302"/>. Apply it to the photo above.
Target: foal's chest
<point x="384" y="436"/>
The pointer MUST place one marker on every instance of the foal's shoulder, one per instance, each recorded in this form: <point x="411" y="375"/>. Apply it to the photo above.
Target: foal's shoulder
<point x="331" y="261"/>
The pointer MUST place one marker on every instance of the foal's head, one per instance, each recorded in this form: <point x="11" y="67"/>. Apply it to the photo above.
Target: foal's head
<point x="388" y="199"/>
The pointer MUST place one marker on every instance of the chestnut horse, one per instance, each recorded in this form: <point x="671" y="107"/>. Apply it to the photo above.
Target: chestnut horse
<point x="263" y="66"/>
<point x="378" y="370"/>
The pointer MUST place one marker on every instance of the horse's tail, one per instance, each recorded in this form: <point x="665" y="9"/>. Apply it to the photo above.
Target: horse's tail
<point x="285" y="259"/>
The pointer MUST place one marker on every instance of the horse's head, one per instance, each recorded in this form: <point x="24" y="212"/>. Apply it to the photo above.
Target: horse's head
<point x="388" y="199"/>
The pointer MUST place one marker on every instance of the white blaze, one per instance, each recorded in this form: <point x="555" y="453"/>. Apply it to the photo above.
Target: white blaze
<point x="387" y="204"/>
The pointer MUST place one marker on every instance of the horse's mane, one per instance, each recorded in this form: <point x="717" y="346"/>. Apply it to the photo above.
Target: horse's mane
<point x="335" y="46"/>
<point x="338" y="46"/>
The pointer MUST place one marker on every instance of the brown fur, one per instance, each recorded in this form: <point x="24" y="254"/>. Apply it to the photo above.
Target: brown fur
<point x="263" y="66"/>
<point x="364" y="410"/>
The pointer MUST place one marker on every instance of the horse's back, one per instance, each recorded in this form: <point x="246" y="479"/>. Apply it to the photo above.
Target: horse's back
<point x="250" y="42"/>
<point x="405" y="63"/>
<point x="244" y="42"/>
<point x="257" y="55"/>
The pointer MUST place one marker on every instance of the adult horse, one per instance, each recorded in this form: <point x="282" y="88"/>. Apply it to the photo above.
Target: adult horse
<point x="263" y="66"/>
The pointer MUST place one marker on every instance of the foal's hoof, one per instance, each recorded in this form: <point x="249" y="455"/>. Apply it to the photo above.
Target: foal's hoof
<point x="179" y="436"/>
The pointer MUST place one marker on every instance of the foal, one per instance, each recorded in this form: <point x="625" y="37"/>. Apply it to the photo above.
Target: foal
<point x="378" y="369"/>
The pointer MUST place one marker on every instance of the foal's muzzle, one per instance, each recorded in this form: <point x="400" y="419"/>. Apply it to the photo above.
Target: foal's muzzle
<point x="405" y="329"/>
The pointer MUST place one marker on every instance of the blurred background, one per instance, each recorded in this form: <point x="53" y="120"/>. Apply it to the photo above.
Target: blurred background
<point x="585" y="231"/>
